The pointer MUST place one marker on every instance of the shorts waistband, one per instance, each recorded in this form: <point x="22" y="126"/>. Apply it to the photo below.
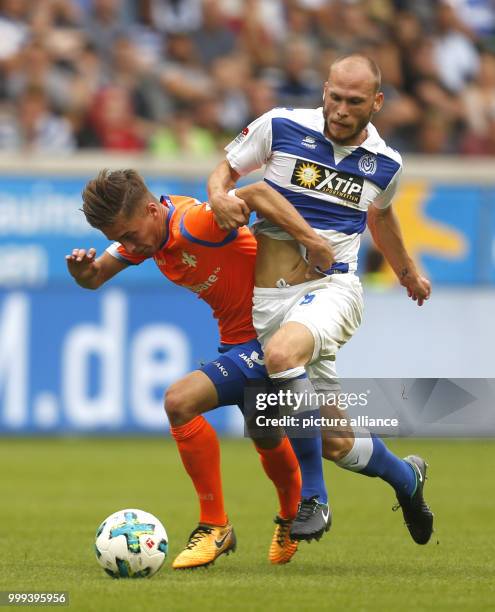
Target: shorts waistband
<point x="336" y="268"/>
<point x="292" y="290"/>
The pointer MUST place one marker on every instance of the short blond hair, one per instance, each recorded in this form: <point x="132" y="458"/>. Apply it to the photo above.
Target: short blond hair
<point x="112" y="194"/>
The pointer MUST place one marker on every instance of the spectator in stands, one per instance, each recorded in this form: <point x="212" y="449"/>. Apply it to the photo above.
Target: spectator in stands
<point x="301" y="20"/>
<point x="207" y="115"/>
<point x="37" y="69"/>
<point x="89" y="79"/>
<point x="182" y="76"/>
<point x="455" y="55"/>
<point x="441" y="109"/>
<point x="262" y="98"/>
<point x="170" y="16"/>
<point x="435" y="135"/>
<point x="214" y="39"/>
<point x="34" y="128"/>
<point x="230" y="77"/>
<point x="479" y="103"/>
<point x="423" y="10"/>
<point x="179" y="135"/>
<point x="128" y="68"/>
<point x="114" y="121"/>
<point x="401" y="113"/>
<point x="104" y="23"/>
<point x="297" y="82"/>
<point x="348" y="27"/>
<point x="14" y="32"/>
<point x="476" y="18"/>
<point x="260" y="31"/>
<point x="242" y="57"/>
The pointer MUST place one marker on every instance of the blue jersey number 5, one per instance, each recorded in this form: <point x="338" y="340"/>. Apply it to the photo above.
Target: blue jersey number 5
<point x="308" y="298"/>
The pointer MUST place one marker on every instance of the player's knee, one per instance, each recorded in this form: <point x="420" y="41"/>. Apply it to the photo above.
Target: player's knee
<point x="335" y="448"/>
<point x="278" y="358"/>
<point x="178" y="406"/>
<point x="173" y="403"/>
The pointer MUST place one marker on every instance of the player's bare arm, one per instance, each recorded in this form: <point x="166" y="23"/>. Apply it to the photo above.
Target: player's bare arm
<point x="276" y="258"/>
<point x="385" y="229"/>
<point x="230" y="211"/>
<point x="272" y="206"/>
<point x="90" y="272"/>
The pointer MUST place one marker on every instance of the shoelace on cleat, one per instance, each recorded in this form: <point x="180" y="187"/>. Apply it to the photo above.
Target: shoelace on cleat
<point x="283" y="528"/>
<point x="416" y="509"/>
<point x="197" y="535"/>
<point x="307" y="508"/>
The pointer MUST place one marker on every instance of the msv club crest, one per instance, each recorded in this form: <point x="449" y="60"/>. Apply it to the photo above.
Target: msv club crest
<point x="368" y="164"/>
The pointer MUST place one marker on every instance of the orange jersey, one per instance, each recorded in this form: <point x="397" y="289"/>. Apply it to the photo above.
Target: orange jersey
<point x="216" y="264"/>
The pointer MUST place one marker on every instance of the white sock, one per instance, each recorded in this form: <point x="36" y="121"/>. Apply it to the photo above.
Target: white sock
<point x="360" y="454"/>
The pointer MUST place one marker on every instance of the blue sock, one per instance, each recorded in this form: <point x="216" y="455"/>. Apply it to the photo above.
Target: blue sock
<point x="390" y="468"/>
<point x="308" y="453"/>
<point x="308" y="450"/>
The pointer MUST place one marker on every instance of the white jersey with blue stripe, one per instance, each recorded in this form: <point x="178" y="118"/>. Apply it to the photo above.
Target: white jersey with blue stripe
<point x="330" y="185"/>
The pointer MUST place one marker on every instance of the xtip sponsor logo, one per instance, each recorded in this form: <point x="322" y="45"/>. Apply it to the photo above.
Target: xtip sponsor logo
<point x="342" y="185"/>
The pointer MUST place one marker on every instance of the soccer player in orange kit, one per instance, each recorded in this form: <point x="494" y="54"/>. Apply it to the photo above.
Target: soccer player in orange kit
<point x="183" y="238"/>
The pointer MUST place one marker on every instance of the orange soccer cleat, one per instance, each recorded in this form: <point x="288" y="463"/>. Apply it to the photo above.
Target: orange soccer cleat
<point x="282" y="548"/>
<point x="206" y="543"/>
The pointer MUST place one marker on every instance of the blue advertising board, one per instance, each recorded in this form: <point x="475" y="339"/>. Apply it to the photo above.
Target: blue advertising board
<point x="81" y="361"/>
<point x="41" y="221"/>
<point x="448" y="229"/>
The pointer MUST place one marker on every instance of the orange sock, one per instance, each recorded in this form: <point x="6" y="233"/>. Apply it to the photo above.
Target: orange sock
<point x="199" y="449"/>
<point x="281" y="466"/>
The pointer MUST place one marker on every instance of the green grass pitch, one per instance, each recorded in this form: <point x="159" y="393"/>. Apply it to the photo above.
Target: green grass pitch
<point x="55" y="493"/>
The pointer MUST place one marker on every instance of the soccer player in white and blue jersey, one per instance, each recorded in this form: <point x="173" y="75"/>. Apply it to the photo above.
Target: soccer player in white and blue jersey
<point x="336" y="170"/>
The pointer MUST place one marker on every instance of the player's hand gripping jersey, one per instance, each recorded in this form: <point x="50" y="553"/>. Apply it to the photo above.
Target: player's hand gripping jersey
<point x="331" y="186"/>
<point x="217" y="265"/>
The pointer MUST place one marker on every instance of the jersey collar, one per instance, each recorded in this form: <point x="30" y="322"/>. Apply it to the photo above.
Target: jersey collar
<point x="167" y="202"/>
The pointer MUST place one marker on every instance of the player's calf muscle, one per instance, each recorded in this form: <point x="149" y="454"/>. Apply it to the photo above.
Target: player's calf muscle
<point x="336" y="447"/>
<point x="337" y="441"/>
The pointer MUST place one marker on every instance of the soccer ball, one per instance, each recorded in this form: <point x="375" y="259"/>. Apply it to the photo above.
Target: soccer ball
<point x="131" y="544"/>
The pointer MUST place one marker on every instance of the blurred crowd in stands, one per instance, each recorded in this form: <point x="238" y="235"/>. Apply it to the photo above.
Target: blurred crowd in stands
<point x="185" y="76"/>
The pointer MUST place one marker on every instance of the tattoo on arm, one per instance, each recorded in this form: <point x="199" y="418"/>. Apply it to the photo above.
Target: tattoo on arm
<point x="403" y="273"/>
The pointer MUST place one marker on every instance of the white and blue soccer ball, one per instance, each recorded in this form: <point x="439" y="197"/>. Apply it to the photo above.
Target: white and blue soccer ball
<point x="131" y="544"/>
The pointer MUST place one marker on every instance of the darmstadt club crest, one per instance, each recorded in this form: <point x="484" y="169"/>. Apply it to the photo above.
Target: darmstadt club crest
<point x="368" y="164"/>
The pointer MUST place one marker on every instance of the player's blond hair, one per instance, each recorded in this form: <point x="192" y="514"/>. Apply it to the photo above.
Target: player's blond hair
<point x="112" y="194"/>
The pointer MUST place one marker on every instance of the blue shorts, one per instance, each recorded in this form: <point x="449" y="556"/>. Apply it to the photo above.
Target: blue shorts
<point x="234" y="366"/>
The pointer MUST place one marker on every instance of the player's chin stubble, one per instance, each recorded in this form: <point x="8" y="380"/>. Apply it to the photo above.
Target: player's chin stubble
<point x="350" y="137"/>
